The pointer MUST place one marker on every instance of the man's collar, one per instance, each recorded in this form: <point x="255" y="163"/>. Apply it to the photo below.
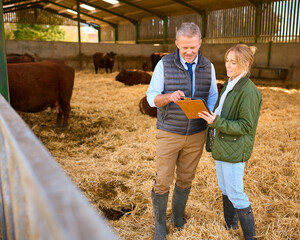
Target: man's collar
<point x="183" y="61"/>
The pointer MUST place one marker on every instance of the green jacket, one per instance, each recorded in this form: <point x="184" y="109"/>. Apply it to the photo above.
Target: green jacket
<point x="236" y="127"/>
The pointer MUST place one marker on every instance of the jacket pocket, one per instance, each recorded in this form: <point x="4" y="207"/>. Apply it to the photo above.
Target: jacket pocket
<point x="228" y="138"/>
<point x="228" y="148"/>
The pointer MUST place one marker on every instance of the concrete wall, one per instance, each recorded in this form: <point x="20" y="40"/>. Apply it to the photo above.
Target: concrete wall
<point x="282" y="55"/>
<point x="129" y="56"/>
<point x="132" y="56"/>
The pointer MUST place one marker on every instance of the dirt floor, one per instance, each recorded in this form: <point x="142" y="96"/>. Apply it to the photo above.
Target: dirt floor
<point x="109" y="153"/>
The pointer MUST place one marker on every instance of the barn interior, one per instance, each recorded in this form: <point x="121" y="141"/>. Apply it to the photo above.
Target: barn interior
<point x="109" y="149"/>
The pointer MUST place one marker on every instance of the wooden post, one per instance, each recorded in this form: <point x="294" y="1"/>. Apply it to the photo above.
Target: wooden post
<point x="269" y="52"/>
<point x="204" y="24"/>
<point x="99" y="34"/>
<point x="137" y="32"/>
<point x="116" y="33"/>
<point x="258" y="21"/>
<point x="79" y="35"/>
<point x="165" y="30"/>
<point x="4" y="90"/>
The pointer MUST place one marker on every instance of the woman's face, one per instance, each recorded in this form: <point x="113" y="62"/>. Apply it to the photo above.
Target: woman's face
<point x="232" y="67"/>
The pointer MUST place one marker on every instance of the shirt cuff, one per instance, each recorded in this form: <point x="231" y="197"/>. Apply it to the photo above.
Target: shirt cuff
<point x="150" y="99"/>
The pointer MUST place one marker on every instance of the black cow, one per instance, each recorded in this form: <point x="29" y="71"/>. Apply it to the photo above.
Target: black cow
<point x="104" y="60"/>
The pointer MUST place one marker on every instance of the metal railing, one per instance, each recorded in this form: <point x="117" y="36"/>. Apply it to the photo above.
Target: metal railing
<point x="38" y="200"/>
<point x="277" y="21"/>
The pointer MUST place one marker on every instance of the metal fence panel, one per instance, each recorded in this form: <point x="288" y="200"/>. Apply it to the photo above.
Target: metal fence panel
<point x="38" y="200"/>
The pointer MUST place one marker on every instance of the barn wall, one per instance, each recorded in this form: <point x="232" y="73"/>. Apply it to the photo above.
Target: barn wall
<point x="132" y="56"/>
<point x="129" y="56"/>
<point x="282" y="56"/>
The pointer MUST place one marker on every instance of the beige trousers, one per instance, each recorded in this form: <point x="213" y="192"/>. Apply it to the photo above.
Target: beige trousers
<point x="177" y="151"/>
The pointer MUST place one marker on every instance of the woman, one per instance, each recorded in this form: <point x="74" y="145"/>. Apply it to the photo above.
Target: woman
<point x="231" y="133"/>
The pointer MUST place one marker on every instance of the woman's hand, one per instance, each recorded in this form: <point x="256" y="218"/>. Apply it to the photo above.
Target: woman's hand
<point x="209" y="118"/>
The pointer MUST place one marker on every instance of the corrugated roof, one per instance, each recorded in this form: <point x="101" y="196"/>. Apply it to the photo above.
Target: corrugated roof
<point x="126" y="10"/>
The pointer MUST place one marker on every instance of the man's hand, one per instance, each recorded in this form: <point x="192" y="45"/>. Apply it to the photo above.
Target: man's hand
<point x="162" y="100"/>
<point x="175" y="96"/>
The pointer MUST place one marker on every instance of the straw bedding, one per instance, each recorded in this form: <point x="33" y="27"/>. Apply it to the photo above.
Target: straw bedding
<point x="109" y="153"/>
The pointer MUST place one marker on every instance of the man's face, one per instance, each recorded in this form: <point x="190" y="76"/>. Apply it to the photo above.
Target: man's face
<point x="188" y="47"/>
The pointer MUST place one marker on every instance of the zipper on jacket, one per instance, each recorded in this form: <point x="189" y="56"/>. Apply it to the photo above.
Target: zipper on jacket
<point x="188" y="127"/>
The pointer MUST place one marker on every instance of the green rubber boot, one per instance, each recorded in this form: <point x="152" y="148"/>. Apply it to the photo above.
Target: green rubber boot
<point x="160" y="203"/>
<point x="180" y="197"/>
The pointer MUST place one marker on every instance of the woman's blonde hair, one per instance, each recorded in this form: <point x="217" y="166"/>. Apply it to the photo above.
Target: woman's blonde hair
<point x="244" y="54"/>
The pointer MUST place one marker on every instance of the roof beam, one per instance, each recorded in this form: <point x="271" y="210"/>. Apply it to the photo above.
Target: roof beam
<point x="36" y="5"/>
<point x="64" y="15"/>
<point x="49" y="4"/>
<point x="21" y="5"/>
<point x="91" y="16"/>
<point x="142" y="8"/>
<point x="132" y="13"/>
<point x="133" y="21"/>
<point x="16" y="1"/>
<point x="16" y="9"/>
<point x="183" y="3"/>
<point x="255" y="3"/>
<point x="94" y="25"/>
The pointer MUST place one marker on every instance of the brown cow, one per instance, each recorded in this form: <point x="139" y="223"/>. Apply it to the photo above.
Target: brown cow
<point x="146" y="109"/>
<point x="18" y="58"/>
<point x="133" y="77"/>
<point x="104" y="60"/>
<point x="145" y="66"/>
<point x="155" y="57"/>
<point x="34" y="87"/>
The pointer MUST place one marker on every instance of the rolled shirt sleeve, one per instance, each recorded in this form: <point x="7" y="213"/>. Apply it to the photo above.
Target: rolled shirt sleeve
<point x="213" y="91"/>
<point x="156" y="85"/>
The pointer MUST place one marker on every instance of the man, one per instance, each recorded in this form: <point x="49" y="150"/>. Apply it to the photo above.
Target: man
<point x="180" y="140"/>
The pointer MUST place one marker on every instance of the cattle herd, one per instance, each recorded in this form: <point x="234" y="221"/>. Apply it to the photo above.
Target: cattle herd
<point x="35" y="86"/>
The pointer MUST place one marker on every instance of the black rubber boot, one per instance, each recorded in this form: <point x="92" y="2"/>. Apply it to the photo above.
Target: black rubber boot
<point x="160" y="203"/>
<point x="230" y="214"/>
<point x="247" y="222"/>
<point x="180" y="197"/>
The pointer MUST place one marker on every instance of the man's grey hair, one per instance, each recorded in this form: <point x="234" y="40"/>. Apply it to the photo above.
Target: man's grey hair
<point x="188" y="29"/>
